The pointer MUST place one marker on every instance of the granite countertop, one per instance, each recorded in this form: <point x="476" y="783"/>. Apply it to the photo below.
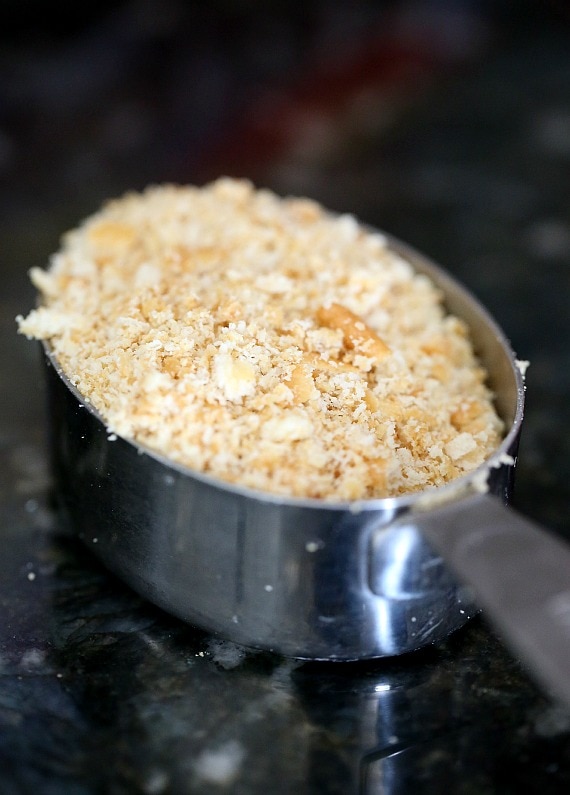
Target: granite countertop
<point x="101" y="692"/>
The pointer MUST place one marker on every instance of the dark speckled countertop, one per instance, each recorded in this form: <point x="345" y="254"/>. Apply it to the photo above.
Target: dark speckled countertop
<point x="459" y="144"/>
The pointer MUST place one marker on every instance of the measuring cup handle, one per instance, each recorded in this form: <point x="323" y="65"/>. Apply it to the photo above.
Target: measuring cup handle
<point x="520" y="576"/>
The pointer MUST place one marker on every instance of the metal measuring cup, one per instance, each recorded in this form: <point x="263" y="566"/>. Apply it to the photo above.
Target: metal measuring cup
<point x="320" y="580"/>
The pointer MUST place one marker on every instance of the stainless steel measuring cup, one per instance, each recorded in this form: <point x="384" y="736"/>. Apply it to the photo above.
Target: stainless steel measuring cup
<point x="319" y="580"/>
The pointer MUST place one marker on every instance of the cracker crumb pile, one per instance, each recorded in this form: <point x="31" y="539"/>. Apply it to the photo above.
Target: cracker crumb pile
<point x="266" y="342"/>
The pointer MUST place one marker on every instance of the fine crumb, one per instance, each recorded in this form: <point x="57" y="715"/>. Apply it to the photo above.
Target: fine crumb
<point x="266" y="342"/>
<point x="226" y="654"/>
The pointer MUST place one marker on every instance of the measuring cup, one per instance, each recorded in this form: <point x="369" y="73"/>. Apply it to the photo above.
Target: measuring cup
<point x="320" y="580"/>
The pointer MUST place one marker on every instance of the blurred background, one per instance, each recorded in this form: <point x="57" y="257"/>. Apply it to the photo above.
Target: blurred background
<point x="444" y="122"/>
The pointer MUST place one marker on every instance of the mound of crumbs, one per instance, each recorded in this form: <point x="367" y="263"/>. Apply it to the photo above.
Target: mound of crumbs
<point x="266" y="342"/>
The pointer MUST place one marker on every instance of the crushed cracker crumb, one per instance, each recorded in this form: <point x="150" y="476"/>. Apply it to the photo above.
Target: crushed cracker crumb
<point x="265" y="341"/>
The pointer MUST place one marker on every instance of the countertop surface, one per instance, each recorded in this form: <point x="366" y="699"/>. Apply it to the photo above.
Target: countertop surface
<point x="456" y="139"/>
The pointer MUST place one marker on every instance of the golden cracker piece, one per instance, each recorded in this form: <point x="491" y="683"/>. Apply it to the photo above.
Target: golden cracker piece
<point x="357" y="335"/>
